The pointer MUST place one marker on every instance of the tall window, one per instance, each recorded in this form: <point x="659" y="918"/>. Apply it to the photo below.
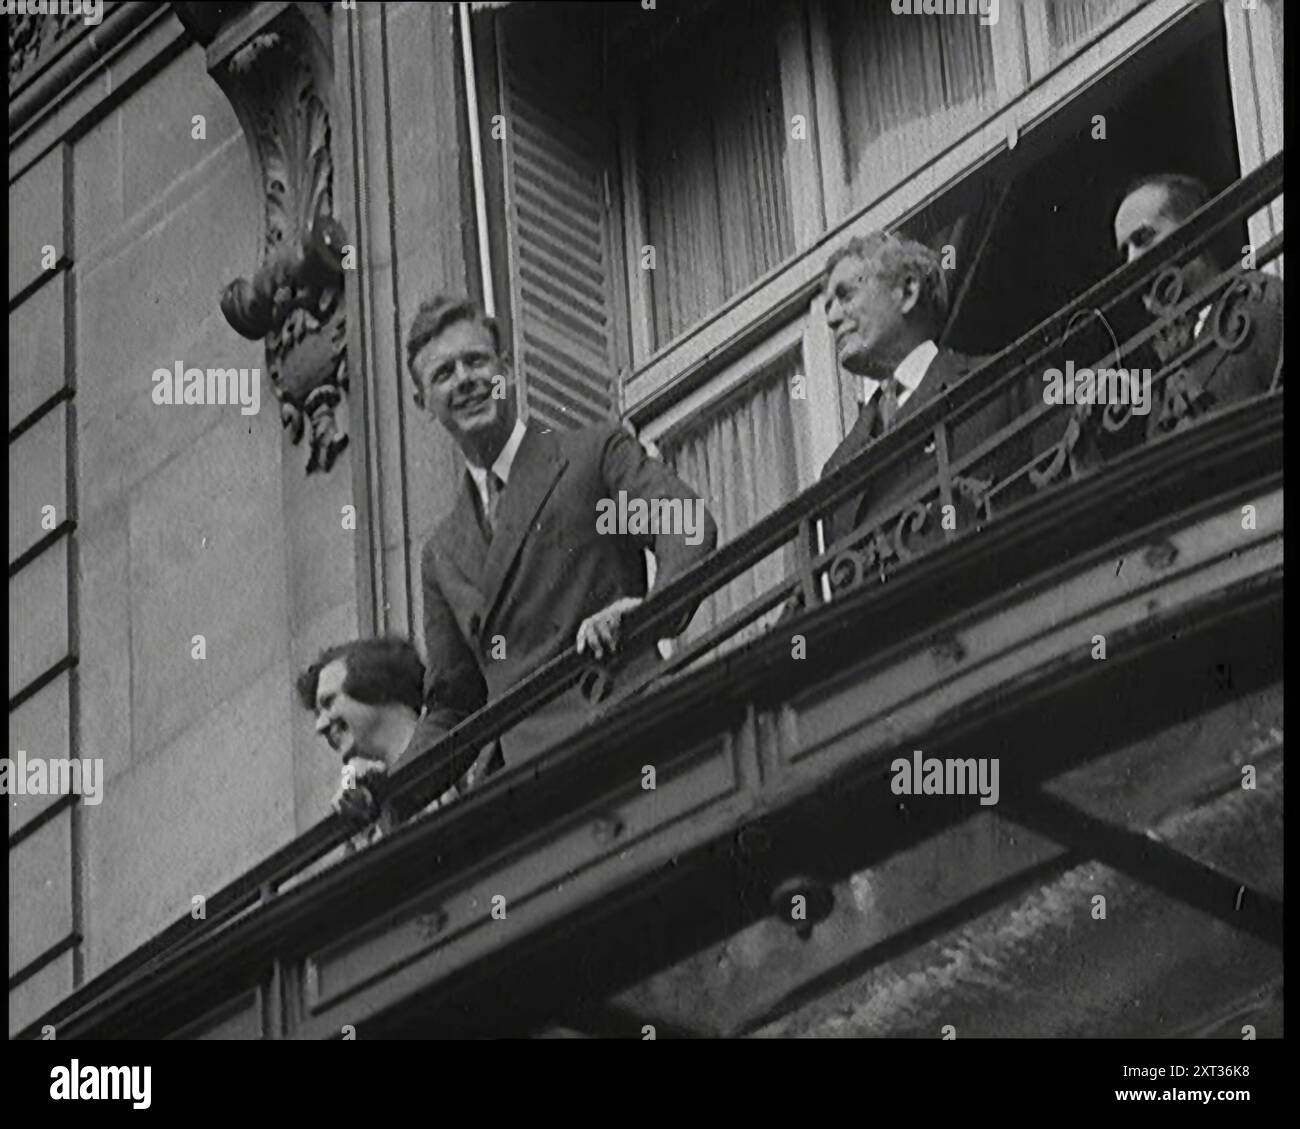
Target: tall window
<point x="908" y="86"/>
<point x="711" y="157"/>
<point x="744" y="456"/>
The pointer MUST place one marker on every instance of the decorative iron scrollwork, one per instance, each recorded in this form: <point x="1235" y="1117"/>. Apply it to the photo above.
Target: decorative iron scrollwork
<point x="876" y="551"/>
<point x="882" y="546"/>
<point x="1050" y="465"/>
<point x="1115" y="417"/>
<point x="1176" y="331"/>
<point x="975" y="491"/>
<point x="910" y="521"/>
<point x="847" y="570"/>
<point x="1231" y="322"/>
<point x="1166" y="291"/>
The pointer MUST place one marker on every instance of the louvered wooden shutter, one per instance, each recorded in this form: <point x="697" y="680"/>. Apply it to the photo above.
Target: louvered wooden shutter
<point x="558" y="218"/>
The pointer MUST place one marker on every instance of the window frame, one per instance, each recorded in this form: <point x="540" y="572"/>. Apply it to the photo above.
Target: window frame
<point x="698" y="367"/>
<point x="695" y="359"/>
<point x="1010" y="75"/>
<point x="791" y="339"/>
<point x="803" y="182"/>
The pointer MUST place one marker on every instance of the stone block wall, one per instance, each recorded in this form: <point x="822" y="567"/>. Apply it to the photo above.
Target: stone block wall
<point x="170" y="522"/>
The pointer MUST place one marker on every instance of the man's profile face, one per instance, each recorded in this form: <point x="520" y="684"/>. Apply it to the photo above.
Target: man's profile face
<point x="459" y="370"/>
<point x="348" y="725"/>
<point x="862" y="311"/>
<point x="1144" y="220"/>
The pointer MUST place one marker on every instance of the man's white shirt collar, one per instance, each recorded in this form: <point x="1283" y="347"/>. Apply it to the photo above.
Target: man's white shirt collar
<point x="501" y="467"/>
<point x="910" y="372"/>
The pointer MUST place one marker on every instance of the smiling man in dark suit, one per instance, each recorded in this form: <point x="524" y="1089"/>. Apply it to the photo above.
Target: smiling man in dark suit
<point x="886" y="301"/>
<point x="521" y="569"/>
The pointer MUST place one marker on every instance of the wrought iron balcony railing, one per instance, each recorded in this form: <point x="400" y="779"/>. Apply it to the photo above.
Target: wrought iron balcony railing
<point x="1043" y="447"/>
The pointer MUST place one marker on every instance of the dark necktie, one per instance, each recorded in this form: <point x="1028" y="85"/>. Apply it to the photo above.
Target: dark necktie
<point x="889" y="390"/>
<point x="494" y="488"/>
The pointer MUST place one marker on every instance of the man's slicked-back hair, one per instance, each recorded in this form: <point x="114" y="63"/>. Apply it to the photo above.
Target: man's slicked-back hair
<point x="379" y="672"/>
<point x="433" y="316"/>
<point x="896" y="257"/>
<point x="1183" y="194"/>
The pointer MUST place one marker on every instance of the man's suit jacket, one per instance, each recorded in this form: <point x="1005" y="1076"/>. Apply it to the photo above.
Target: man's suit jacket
<point x="524" y="594"/>
<point x="1219" y="376"/>
<point x="915" y="466"/>
<point x="1214" y="378"/>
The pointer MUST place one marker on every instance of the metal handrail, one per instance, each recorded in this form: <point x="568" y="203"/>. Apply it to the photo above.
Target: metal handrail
<point x="666" y="607"/>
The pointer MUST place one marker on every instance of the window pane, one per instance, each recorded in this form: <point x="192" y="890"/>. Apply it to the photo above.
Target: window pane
<point x="1070" y="22"/>
<point x="712" y="160"/>
<point x="743" y="458"/>
<point x="909" y="85"/>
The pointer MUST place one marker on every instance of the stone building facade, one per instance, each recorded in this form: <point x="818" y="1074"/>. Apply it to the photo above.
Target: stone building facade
<point x="275" y="187"/>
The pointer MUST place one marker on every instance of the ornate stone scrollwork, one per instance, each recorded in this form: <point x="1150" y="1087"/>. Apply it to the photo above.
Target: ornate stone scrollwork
<point x="279" y="80"/>
<point x="35" y="36"/>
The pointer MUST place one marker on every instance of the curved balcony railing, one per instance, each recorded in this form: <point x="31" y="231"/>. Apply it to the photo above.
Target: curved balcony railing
<point x="1043" y="447"/>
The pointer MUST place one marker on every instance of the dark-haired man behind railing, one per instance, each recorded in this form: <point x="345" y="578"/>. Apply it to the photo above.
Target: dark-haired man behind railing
<point x="366" y="695"/>
<point x="522" y="568"/>
<point x="886" y="301"/>
<point x="1151" y="209"/>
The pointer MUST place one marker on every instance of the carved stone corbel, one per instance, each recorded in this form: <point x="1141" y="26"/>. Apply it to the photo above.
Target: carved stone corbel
<point x="35" y="36"/>
<point x="274" y="64"/>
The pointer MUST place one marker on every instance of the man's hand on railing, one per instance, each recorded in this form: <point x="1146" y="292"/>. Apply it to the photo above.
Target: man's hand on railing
<point x="599" y="633"/>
